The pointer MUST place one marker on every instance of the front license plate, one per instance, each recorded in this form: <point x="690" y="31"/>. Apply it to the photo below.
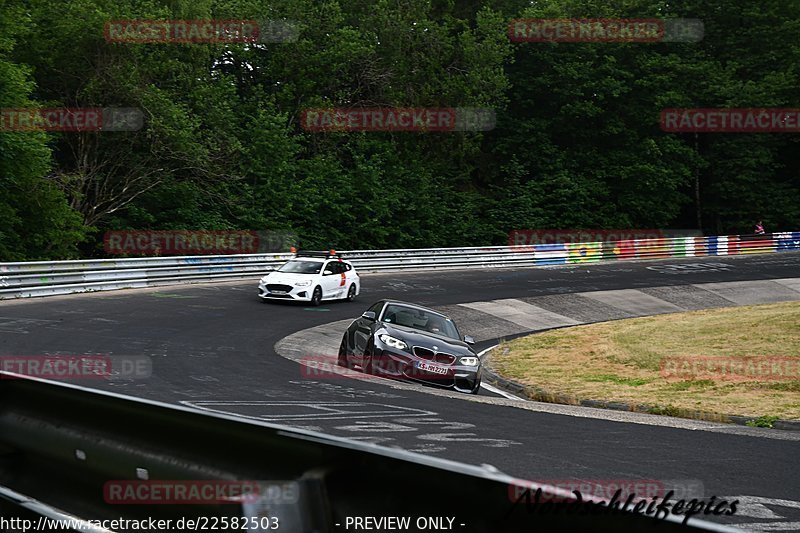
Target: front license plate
<point x="436" y="369"/>
<point x="278" y="292"/>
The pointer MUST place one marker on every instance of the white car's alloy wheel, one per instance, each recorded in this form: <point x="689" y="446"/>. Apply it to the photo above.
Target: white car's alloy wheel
<point x="316" y="296"/>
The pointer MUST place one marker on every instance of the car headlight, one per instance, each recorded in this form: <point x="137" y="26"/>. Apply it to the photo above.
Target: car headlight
<point x="469" y="361"/>
<point x="264" y="279"/>
<point x="303" y="283"/>
<point x="391" y="342"/>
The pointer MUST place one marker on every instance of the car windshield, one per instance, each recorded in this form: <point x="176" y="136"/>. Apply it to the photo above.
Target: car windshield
<point x="301" y="267"/>
<point x="421" y="320"/>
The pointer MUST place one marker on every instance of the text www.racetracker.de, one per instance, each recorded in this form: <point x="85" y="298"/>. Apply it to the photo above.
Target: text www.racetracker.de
<point x="200" y="523"/>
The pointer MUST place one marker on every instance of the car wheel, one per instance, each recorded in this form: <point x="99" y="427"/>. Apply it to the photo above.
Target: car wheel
<point x="316" y="297"/>
<point x="343" y="360"/>
<point x="351" y="293"/>
<point x="367" y="366"/>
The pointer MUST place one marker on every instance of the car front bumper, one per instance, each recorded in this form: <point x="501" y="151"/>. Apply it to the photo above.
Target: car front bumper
<point x="288" y="293"/>
<point x="402" y="365"/>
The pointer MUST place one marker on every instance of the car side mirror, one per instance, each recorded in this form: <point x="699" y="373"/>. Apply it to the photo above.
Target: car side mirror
<point x="327" y="273"/>
<point x="468" y="339"/>
<point x="369" y="315"/>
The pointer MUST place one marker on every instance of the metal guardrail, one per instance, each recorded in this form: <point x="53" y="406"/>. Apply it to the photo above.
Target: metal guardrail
<point x="62" y="445"/>
<point x="44" y="278"/>
<point x="40" y="278"/>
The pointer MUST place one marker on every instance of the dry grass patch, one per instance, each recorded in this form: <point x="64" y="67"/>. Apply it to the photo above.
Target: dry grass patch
<point x="622" y="360"/>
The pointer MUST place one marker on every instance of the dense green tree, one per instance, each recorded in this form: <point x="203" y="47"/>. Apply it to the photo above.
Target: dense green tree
<point x="35" y="220"/>
<point x="577" y="143"/>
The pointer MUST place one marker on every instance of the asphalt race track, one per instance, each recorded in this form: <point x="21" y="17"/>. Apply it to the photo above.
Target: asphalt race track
<point x="212" y="346"/>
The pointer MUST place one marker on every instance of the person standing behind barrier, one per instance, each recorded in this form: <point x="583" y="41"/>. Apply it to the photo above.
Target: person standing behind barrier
<point x="759" y="229"/>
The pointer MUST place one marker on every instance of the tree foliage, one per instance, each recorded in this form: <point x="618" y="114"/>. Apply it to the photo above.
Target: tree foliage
<point x="577" y="142"/>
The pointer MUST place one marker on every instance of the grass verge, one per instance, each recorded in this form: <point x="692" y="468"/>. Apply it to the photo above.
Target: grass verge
<point x="735" y="361"/>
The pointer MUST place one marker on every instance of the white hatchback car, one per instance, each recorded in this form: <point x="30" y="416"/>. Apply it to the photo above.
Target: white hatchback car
<point x="311" y="277"/>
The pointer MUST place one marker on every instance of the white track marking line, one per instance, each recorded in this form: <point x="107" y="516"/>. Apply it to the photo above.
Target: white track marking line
<point x="494" y="389"/>
<point x="502" y="393"/>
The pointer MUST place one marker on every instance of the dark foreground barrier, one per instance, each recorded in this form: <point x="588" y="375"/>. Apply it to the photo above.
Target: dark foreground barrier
<point x="108" y="459"/>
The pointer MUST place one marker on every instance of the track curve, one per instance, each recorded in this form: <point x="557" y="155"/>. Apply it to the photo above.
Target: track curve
<point x="212" y="347"/>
